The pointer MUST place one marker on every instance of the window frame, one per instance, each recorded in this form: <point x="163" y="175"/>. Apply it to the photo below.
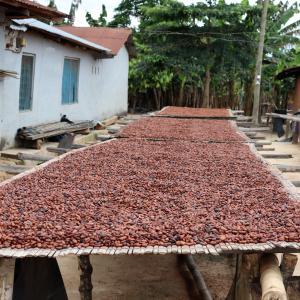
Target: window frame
<point x="68" y="58"/>
<point x="32" y="81"/>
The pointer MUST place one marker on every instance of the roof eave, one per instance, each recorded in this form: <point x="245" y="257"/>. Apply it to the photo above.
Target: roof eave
<point x="290" y="72"/>
<point x="98" y="52"/>
<point x="26" y="10"/>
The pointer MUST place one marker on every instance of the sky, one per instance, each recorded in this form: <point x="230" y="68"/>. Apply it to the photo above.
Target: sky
<point x="94" y="7"/>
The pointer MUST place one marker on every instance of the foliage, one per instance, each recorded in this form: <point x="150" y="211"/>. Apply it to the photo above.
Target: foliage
<point x="52" y="4"/>
<point x="100" y="22"/>
<point x="74" y="6"/>
<point x="204" y="53"/>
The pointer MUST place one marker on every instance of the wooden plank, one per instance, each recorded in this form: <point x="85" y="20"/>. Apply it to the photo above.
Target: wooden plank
<point x="78" y="146"/>
<point x="265" y="149"/>
<point x="34" y="157"/>
<point x="263" y="143"/>
<point x="277" y="155"/>
<point x="54" y="129"/>
<point x="9" y="155"/>
<point x="258" y="138"/>
<point x="286" y="117"/>
<point x="296" y="183"/>
<point x="13" y="169"/>
<point x="250" y="134"/>
<point x="287" y="168"/>
<point x="110" y="121"/>
<point x="57" y="150"/>
<point x="255" y="129"/>
<point x="103" y="138"/>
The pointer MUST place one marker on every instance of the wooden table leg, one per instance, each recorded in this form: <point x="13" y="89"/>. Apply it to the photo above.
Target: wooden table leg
<point x="86" y="270"/>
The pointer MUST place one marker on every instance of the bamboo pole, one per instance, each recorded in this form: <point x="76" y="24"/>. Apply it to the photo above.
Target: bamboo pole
<point x="271" y="279"/>
<point x="86" y="271"/>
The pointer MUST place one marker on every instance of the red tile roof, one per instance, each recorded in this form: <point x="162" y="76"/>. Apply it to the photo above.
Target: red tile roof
<point x="111" y="38"/>
<point x="35" y="9"/>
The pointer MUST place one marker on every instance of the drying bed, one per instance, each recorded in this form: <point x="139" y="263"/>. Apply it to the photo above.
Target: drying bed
<point x="184" y="129"/>
<point x="135" y="194"/>
<point x="194" y="112"/>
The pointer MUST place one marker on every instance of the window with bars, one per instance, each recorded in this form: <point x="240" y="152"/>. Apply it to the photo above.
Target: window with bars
<point x="70" y="81"/>
<point x="26" y="82"/>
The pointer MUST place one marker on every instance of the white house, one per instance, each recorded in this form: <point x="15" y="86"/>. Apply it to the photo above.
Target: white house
<point x="47" y="71"/>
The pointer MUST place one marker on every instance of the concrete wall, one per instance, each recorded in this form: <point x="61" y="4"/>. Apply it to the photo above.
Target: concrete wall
<point x="103" y="86"/>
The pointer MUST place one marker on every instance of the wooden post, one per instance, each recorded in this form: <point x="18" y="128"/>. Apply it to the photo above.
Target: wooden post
<point x="7" y="267"/>
<point x="287" y="129"/>
<point x="288" y="265"/>
<point x="296" y="104"/>
<point x="271" y="279"/>
<point x="86" y="270"/>
<point x="197" y="277"/>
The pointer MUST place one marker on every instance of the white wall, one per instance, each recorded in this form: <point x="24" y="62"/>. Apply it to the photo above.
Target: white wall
<point x="100" y="95"/>
<point x="2" y="45"/>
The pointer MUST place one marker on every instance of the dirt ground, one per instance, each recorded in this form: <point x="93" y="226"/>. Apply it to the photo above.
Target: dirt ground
<point x="146" y="277"/>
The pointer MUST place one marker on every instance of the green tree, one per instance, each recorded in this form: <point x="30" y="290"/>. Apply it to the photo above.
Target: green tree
<point x="100" y="22"/>
<point x="129" y="9"/>
<point x="74" y="6"/>
<point x="52" y="4"/>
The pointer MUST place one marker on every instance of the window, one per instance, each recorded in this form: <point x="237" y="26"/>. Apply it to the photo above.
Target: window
<point x="26" y="82"/>
<point x="70" y="81"/>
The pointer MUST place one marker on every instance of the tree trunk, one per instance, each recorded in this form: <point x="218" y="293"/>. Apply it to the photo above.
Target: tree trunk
<point x="206" y="92"/>
<point x="248" y="98"/>
<point x="156" y="98"/>
<point x="257" y="79"/>
<point x="231" y="100"/>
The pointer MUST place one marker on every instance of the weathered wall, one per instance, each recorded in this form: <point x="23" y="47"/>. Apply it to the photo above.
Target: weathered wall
<point x="103" y="86"/>
<point x="2" y="45"/>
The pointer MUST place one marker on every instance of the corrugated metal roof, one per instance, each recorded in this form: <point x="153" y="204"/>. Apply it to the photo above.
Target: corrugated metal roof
<point x="112" y="38"/>
<point x="54" y="31"/>
<point x="42" y="10"/>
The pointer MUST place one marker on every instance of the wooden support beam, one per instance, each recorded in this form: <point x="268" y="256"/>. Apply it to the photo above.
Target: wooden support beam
<point x="9" y="155"/>
<point x="263" y="143"/>
<point x="110" y="121"/>
<point x="244" y="124"/>
<point x="199" y="281"/>
<point x="104" y="138"/>
<point x="288" y="265"/>
<point x="7" y="269"/>
<point x="86" y="270"/>
<point x="13" y="169"/>
<point x="34" y="157"/>
<point x="265" y="149"/>
<point x="288" y="129"/>
<point x="287" y="168"/>
<point x="256" y="129"/>
<point x="258" y="138"/>
<point x="296" y="183"/>
<point x="78" y="146"/>
<point x="271" y="279"/>
<point x="250" y="134"/>
<point x="277" y="155"/>
<point x="243" y="287"/>
<point x="58" y="150"/>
